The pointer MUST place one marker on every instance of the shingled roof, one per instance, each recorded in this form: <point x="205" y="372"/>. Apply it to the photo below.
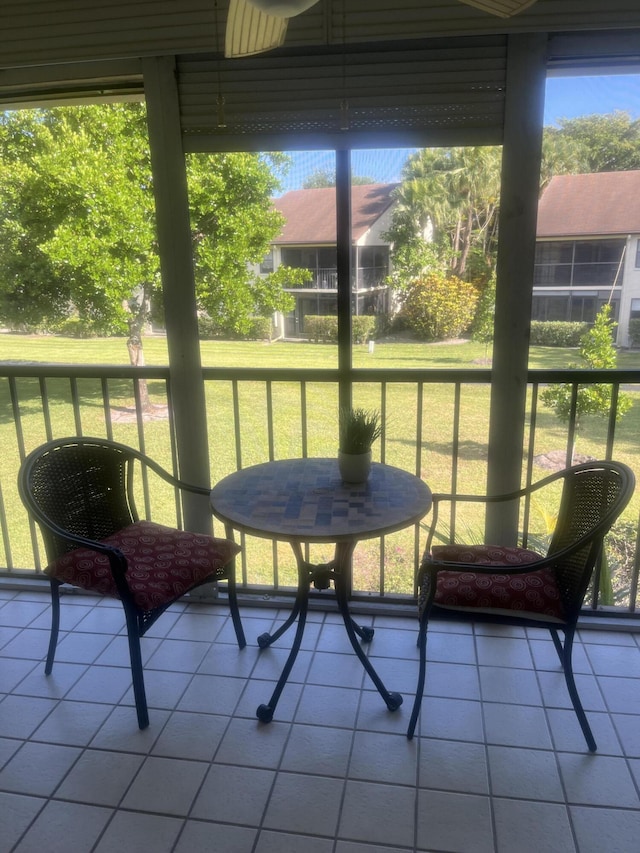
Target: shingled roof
<point x="311" y="214"/>
<point x="590" y="205"/>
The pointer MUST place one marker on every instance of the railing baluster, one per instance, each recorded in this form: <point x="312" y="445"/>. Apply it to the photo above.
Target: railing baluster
<point x="106" y="407"/>
<point x="44" y="396"/>
<point x="236" y="423"/>
<point x="6" y="541"/>
<point x="75" y="402"/>
<point x="455" y="446"/>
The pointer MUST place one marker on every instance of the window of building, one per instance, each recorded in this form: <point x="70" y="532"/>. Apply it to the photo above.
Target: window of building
<point x="267" y="263"/>
<point x="579" y="263"/>
<point x="638" y="253"/>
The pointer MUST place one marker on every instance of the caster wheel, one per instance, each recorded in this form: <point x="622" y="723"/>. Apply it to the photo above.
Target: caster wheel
<point x="367" y="634"/>
<point x="264" y="640"/>
<point x="395" y="700"/>
<point x="264" y="713"/>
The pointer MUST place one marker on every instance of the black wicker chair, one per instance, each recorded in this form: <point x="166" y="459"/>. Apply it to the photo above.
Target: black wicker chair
<point x="522" y="586"/>
<point x="81" y="493"/>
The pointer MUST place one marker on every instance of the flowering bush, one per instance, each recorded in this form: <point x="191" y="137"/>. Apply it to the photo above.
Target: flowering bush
<point x="436" y="306"/>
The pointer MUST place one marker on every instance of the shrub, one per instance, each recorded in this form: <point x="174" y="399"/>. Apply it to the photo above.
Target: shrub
<point x="437" y="307"/>
<point x="321" y="329"/>
<point x="362" y="328"/>
<point x="634" y="332"/>
<point x="78" y="327"/>
<point x="555" y="333"/>
<point x="324" y="329"/>
<point x="258" y="329"/>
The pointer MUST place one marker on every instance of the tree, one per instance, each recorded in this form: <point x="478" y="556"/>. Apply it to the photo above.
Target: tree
<point x="483" y="322"/>
<point x="323" y="178"/>
<point x="454" y="192"/>
<point x="598" y="351"/>
<point x="600" y="143"/>
<point x="77" y="225"/>
<point x="437" y="307"/>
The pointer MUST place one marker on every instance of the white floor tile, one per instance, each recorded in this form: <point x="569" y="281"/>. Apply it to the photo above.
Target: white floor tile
<point x="516" y="725"/>
<point x="212" y="694"/>
<point x="62" y="827"/>
<point x="317" y="804"/>
<point x="73" y="723"/>
<point x="167" y="786"/>
<point x="328" y="706"/>
<point x="377" y="757"/>
<point x="528" y="774"/>
<point x="531" y="827"/>
<point x="200" y="837"/>
<point x="234" y="794"/>
<point x="320" y="750"/>
<point x="283" y="842"/>
<point x="613" y="830"/>
<point x="598" y="780"/>
<point x="20" y="716"/>
<point x="194" y="736"/>
<point x="254" y="744"/>
<point x="99" y="777"/>
<point x="516" y="686"/>
<point x="383" y="814"/>
<point x="129" y="832"/>
<point x="454" y="822"/>
<point x="37" y="768"/>
<point x="17" y="812"/>
<point x="453" y="766"/>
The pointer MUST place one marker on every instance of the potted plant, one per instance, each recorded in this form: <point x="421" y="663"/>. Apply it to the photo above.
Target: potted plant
<point x="359" y="428"/>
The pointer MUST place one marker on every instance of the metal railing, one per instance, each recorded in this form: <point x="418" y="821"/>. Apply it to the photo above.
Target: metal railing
<point x="362" y="277"/>
<point x="435" y="424"/>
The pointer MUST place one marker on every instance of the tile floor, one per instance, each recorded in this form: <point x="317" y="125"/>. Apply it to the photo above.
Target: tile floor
<point x="499" y="764"/>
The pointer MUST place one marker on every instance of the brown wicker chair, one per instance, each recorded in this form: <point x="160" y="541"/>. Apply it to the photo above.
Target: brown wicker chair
<point x="519" y="585"/>
<point x="81" y="493"/>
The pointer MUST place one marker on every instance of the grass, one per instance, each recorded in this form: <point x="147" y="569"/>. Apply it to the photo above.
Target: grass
<point x="400" y="440"/>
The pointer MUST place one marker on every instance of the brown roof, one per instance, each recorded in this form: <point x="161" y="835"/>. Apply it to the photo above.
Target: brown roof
<point x="596" y="204"/>
<point x="311" y="214"/>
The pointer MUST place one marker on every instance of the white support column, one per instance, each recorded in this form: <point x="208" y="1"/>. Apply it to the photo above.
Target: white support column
<point x="176" y="261"/>
<point x="521" y="153"/>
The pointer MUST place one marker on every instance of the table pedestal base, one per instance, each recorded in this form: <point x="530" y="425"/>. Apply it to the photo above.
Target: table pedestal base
<point x="321" y="576"/>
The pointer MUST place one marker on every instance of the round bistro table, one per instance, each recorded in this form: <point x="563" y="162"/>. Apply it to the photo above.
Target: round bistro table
<point x="303" y="501"/>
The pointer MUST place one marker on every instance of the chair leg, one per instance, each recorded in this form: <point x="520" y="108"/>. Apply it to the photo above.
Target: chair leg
<point x="567" y="666"/>
<point x="137" y="674"/>
<point x="233" y="606"/>
<point x="55" y="625"/>
<point x="422" y="648"/>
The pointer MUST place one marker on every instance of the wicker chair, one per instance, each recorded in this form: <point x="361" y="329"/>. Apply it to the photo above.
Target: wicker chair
<point x="519" y="585"/>
<point x="81" y="493"/>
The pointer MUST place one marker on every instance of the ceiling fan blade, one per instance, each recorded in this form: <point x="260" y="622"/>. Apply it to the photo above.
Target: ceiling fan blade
<point x="501" y="8"/>
<point x="250" y="31"/>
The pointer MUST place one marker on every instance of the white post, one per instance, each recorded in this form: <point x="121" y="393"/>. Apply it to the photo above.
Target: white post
<point x="521" y="153"/>
<point x="176" y="262"/>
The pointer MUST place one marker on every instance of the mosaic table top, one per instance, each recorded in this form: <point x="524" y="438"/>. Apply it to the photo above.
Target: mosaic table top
<point x="306" y="500"/>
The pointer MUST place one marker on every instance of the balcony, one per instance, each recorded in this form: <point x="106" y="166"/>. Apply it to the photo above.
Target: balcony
<point x="363" y="279"/>
<point x="499" y="748"/>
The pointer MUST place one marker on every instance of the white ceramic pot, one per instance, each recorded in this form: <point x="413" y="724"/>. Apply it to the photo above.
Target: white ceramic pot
<point x="354" y="467"/>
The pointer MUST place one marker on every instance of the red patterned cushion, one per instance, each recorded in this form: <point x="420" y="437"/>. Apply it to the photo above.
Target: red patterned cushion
<point x="535" y="593"/>
<point x="163" y="563"/>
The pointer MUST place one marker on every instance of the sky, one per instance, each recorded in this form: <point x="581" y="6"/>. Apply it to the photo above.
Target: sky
<point x="566" y="97"/>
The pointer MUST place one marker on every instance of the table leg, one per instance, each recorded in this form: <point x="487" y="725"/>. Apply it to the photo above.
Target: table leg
<point x="343" y="554"/>
<point x="265" y="712"/>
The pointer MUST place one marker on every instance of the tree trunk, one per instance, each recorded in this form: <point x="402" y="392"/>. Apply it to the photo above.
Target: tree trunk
<point x="134" y="345"/>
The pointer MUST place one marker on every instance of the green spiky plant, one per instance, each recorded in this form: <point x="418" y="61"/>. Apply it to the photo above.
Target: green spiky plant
<point x="359" y="428"/>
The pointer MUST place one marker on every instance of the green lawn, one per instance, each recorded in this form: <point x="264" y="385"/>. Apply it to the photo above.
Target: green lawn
<point x="402" y="401"/>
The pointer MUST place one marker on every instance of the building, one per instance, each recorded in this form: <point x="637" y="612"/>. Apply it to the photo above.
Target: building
<point x="308" y="241"/>
<point x="588" y="249"/>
